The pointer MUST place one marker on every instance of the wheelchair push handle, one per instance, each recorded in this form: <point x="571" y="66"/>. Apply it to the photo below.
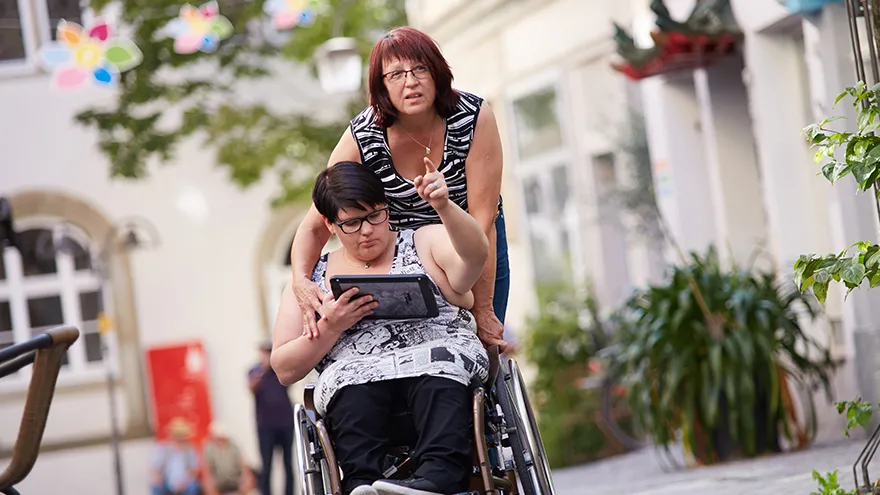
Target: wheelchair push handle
<point x="46" y="351"/>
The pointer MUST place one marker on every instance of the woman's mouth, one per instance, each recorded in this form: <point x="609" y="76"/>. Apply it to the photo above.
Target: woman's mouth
<point x="413" y="96"/>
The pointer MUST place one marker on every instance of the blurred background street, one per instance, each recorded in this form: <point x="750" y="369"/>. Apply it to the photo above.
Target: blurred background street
<point x="680" y="219"/>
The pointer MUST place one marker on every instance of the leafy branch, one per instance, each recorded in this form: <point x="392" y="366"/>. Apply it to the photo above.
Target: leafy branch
<point x="858" y="414"/>
<point x="828" y="485"/>
<point x="846" y="153"/>
<point x="817" y="272"/>
<point x="861" y="156"/>
<point x="171" y="97"/>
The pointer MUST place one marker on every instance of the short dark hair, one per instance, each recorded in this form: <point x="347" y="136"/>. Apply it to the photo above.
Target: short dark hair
<point x="346" y="185"/>
<point x="406" y="43"/>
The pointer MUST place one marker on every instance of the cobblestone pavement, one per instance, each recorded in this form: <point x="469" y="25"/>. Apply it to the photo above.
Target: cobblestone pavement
<point x="639" y="473"/>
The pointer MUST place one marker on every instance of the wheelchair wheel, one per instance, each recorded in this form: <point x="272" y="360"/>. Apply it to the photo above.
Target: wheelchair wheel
<point x="529" y="456"/>
<point x="309" y="472"/>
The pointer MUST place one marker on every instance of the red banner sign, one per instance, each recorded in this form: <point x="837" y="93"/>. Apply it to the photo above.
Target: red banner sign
<point x="179" y="388"/>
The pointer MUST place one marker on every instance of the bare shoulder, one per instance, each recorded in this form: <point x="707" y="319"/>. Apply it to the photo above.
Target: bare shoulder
<point x="346" y="149"/>
<point x="487" y="114"/>
<point x="428" y="234"/>
<point x="486" y="128"/>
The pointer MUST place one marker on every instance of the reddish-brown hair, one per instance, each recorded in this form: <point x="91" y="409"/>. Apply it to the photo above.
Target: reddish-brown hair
<point x="406" y="43"/>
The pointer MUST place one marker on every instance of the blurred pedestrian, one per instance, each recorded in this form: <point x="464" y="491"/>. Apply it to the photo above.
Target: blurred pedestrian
<point x="226" y="472"/>
<point x="176" y="463"/>
<point x="274" y="413"/>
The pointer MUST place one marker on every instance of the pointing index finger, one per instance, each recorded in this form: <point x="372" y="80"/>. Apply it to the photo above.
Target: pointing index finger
<point x="429" y="165"/>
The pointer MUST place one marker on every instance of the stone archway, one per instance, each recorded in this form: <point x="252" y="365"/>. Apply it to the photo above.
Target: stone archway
<point x="95" y="224"/>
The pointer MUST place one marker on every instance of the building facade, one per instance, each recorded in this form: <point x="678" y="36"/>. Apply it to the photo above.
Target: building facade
<point x="562" y="110"/>
<point x="730" y="167"/>
<point x="214" y="276"/>
<point x="741" y="175"/>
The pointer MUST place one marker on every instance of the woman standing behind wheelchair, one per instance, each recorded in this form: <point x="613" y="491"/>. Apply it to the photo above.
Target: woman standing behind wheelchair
<point x="415" y="113"/>
<point x="366" y="366"/>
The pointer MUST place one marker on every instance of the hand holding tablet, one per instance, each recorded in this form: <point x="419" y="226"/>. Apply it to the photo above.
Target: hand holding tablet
<point x="403" y="296"/>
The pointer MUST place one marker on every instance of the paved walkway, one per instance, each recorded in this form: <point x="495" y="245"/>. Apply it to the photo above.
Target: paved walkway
<point x="639" y="473"/>
<point x="89" y="471"/>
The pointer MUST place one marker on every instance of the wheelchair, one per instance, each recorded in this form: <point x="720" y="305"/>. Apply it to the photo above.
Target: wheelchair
<point x="46" y="352"/>
<point x="507" y="450"/>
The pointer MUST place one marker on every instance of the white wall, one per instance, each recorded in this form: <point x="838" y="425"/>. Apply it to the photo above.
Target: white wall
<point x="200" y="283"/>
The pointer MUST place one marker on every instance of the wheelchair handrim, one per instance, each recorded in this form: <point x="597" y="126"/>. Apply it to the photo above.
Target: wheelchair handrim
<point x="541" y="467"/>
<point x="300" y="432"/>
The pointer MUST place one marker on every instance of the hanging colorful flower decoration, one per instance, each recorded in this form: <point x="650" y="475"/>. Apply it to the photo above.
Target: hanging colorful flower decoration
<point x="287" y="14"/>
<point x="93" y="54"/>
<point x="199" y="29"/>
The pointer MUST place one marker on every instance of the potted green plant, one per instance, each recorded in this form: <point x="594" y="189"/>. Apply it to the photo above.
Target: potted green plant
<point x="708" y="354"/>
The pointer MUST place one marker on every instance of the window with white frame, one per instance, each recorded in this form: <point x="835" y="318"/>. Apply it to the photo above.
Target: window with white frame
<point x="537" y="123"/>
<point x="25" y="24"/>
<point x="69" y="10"/>
<point x="42" y="286"/>
<point x="12" y="34"/>
<point x="542" y="167"/>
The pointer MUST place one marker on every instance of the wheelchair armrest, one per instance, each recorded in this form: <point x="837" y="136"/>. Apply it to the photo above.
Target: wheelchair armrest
<point x="494" y="364"/>
<point x="309" y="399"/>
<point x="49" y="348"/>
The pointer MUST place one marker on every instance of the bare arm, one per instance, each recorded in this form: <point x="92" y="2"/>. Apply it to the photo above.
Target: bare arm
<point x="311" y="237"/>
<point x="294" y="355"/>
<point x="459" y="248"/>
<point x="483" y="169"/>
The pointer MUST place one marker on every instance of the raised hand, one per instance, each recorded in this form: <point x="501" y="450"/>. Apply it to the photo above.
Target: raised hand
<point x="432" y="186"/>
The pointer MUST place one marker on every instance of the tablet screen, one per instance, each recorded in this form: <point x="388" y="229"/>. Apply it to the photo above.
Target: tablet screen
<point x="399" y="296"/>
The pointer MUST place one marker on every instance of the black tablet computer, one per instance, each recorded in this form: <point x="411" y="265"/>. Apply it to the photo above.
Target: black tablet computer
<point x="400" y="296"/>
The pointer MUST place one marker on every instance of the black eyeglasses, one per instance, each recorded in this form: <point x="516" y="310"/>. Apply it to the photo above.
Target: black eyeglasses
<point x="396" y="76"/>
<point x="352" y="225"/>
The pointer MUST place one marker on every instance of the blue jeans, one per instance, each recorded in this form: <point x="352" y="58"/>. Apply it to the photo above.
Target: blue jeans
<point x="502" y="268"/>
<point x="192" y="489"/>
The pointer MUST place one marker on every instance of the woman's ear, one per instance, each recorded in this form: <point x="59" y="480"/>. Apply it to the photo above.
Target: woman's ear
<point x="330" y="226"/>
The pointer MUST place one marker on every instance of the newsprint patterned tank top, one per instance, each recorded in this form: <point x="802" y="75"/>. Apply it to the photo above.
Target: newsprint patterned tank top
<point x="376" y="350"/>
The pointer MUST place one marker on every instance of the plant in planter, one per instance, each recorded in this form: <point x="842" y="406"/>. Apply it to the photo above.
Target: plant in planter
<point x="710" y="354"/>
<point x="561" y="340"/>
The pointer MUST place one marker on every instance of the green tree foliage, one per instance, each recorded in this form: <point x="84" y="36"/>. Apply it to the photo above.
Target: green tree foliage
<point x="249" y="140"/>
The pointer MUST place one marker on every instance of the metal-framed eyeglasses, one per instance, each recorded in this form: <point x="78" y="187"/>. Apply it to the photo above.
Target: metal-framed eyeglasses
<point x="397" y="76"/>
<point x="353" y="225"/>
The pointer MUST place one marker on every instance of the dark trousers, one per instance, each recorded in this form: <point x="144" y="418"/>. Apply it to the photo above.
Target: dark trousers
<point x="270" y="439"/>
<point x="359" y="418"/>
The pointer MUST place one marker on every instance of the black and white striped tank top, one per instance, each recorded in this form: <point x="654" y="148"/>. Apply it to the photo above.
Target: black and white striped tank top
<point x="406" y="209"/>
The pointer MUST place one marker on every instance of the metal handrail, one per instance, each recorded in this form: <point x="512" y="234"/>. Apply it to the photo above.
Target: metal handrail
<point x="46" y="351"/>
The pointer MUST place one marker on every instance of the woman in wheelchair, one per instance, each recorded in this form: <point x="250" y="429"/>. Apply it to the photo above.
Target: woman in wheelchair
<point x="367" y="366"/>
